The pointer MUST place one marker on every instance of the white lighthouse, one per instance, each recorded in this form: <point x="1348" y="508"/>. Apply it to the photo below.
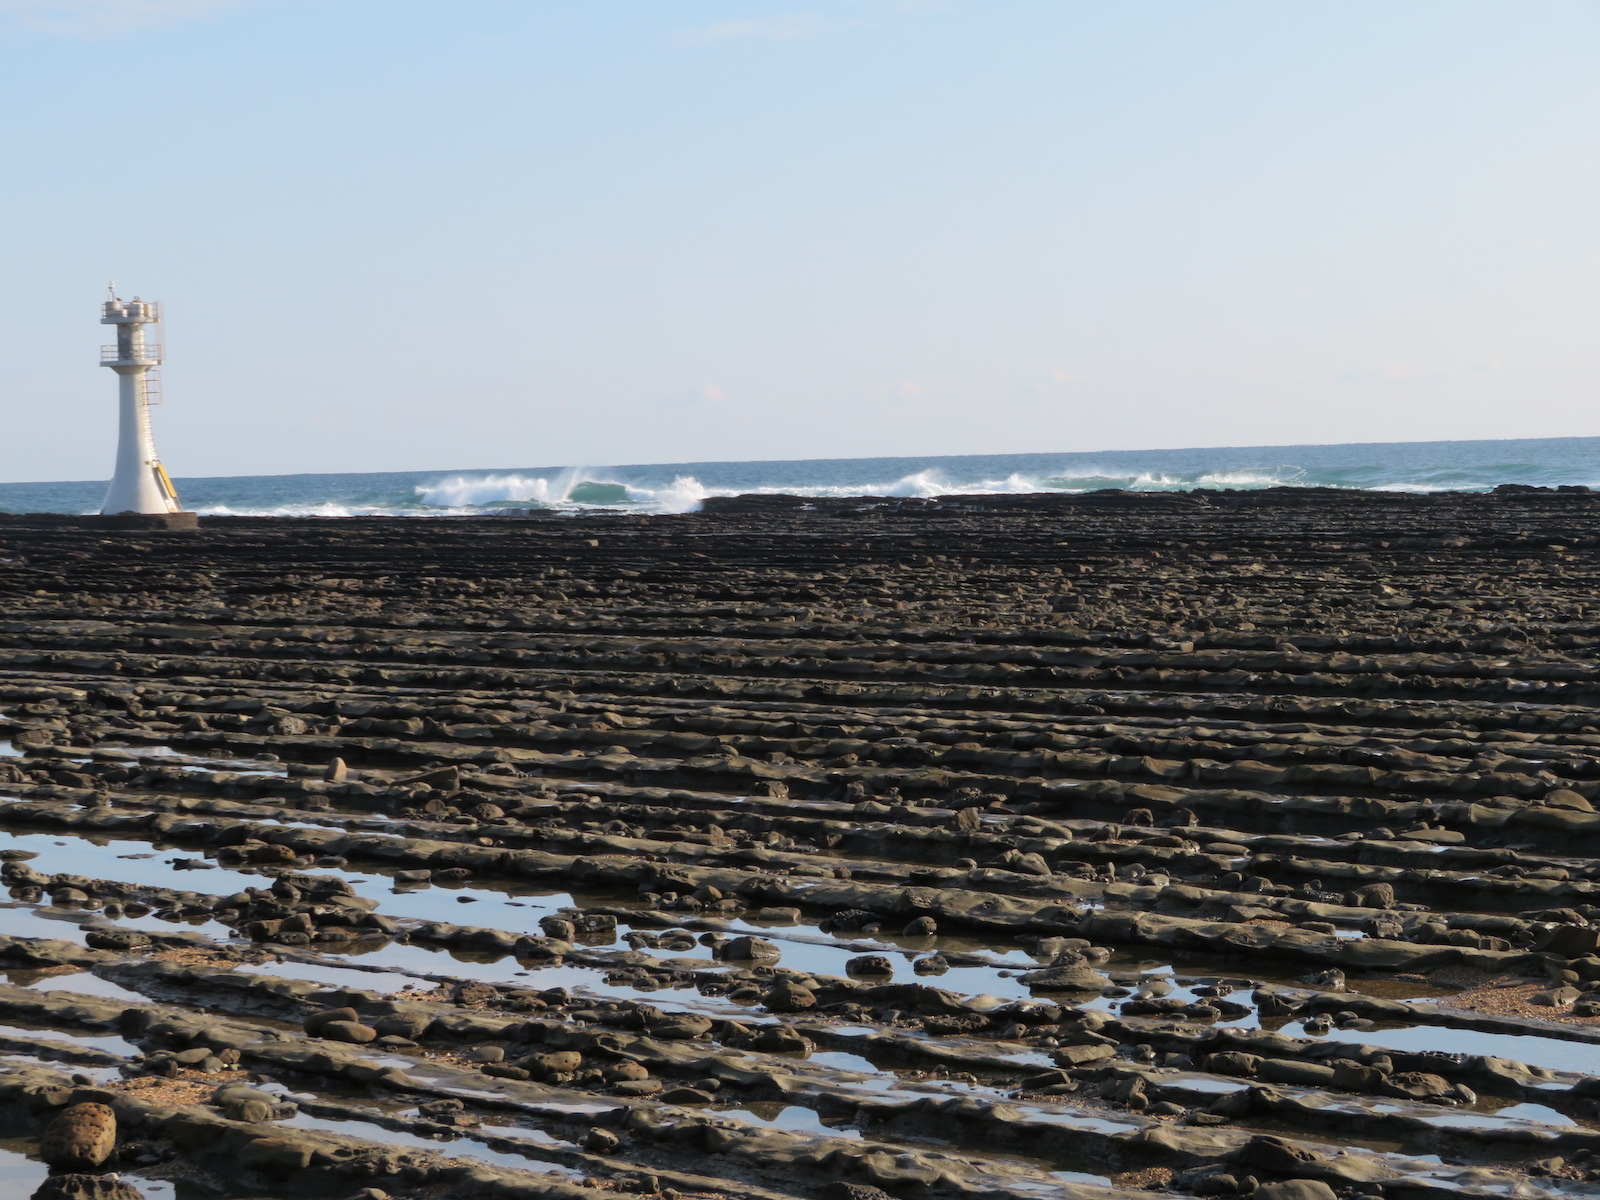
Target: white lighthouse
<point x="140" y="485"/>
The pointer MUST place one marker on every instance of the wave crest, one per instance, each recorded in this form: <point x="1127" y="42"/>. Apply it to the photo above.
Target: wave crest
<point x="575" y="488"/>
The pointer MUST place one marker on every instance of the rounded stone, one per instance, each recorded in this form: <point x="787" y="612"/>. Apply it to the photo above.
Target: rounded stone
<point x="80" y="1138"/>
<point x="349" y="1031"/>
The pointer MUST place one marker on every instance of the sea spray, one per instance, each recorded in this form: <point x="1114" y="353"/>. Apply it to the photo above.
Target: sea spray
<point x="574" y="487"/>
<point x="483" y="491"/>
<point x="682" y="495"/>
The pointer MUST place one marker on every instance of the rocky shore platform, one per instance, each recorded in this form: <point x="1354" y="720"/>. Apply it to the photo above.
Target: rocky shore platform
<point x="1013" y="848"/>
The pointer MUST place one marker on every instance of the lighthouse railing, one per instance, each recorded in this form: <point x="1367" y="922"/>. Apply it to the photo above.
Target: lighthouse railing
<point x="151" y="353"/>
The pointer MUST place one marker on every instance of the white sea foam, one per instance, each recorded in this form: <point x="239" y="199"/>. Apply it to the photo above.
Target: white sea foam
<point x="682" y="495"/>
<point x="574" y="487"/>
<point x="1252" y="477"/>
<point x="475" y="491"/>
<point x="326" y="508"/>
<point x="919" y="484"/>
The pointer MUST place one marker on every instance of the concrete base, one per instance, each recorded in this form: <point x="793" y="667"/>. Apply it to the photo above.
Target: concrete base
<point x="177" y="520"/>
<point x="107" y="521"/>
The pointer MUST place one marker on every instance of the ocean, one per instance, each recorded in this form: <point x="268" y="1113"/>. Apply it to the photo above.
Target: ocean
<point x="1468" y="466"/>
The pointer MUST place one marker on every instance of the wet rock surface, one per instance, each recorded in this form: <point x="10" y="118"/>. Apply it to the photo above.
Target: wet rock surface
<point x="1212" y="844"/>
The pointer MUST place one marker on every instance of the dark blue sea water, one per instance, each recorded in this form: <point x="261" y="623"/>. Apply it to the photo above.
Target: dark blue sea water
<point x="679" y="487"/>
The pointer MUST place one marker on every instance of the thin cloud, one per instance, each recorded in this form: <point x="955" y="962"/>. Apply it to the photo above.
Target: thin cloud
<point x="99" y="17"/>
<point x="795" y="27"/>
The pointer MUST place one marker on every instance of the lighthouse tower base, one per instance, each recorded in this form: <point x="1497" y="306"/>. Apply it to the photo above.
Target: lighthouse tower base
<point x="172" y="520"/>
<point x="178" y="522"/>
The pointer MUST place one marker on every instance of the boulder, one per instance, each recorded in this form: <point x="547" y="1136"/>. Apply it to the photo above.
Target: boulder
<point x="1074" y="977"/>
<point x="349" y="1031"/>
<point x="786" y="996"/>
<point x="1295" y="1189"/>
<point x="80" y="1138"/>
<point x="750" y="948"/>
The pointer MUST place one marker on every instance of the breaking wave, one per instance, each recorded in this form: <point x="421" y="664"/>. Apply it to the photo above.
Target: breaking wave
<point x="569" y="489"/>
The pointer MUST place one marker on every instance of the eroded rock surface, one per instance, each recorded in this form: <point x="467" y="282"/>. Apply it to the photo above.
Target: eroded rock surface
<point x="81" y="1137"/>
<point x="1005" y="846"/>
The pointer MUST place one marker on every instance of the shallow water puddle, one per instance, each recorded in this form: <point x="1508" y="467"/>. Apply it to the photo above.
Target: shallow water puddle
<point x="795" y="1118"/>
<point x="805" y="947"/>
<point x="1080" y="1177"/>
<point x="841" y="1061"/>
<point x="163" y="756"/>
<point x="21" y="1174"/>
<point x="1536" y="1050"/>
<point x="31" y="920"/>
<point x="66" y="923"/>
<point x="224" y="767"/>
<point x="422" y="960"/>
<point x="382" y="982"/>
<point x="871" y="1039"/>
<point x="109" y="1042"/>
<point x="1541" y="1113"/>
<point x="415" y="961"/>
<point x="76" y="1071"/>
<point x="514" y="910"/>
<point x="140" y="862"/>
<point x="125" y="860"/>
<point x="1492" y="1122"/>
<point x="1530" y="1118"/>
<point x="833" y="959"/>
<point x="80" y="982"/>
<point x="463" y="1147"/>
<point x="1172" y="985"/>
<point x="1209" y="1084"/>
<point x="1074" y="1119"/>
<point x="1245" y="974"/>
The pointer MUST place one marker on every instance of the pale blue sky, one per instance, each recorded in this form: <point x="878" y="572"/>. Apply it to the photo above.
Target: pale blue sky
<point x="397" y="234"/>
